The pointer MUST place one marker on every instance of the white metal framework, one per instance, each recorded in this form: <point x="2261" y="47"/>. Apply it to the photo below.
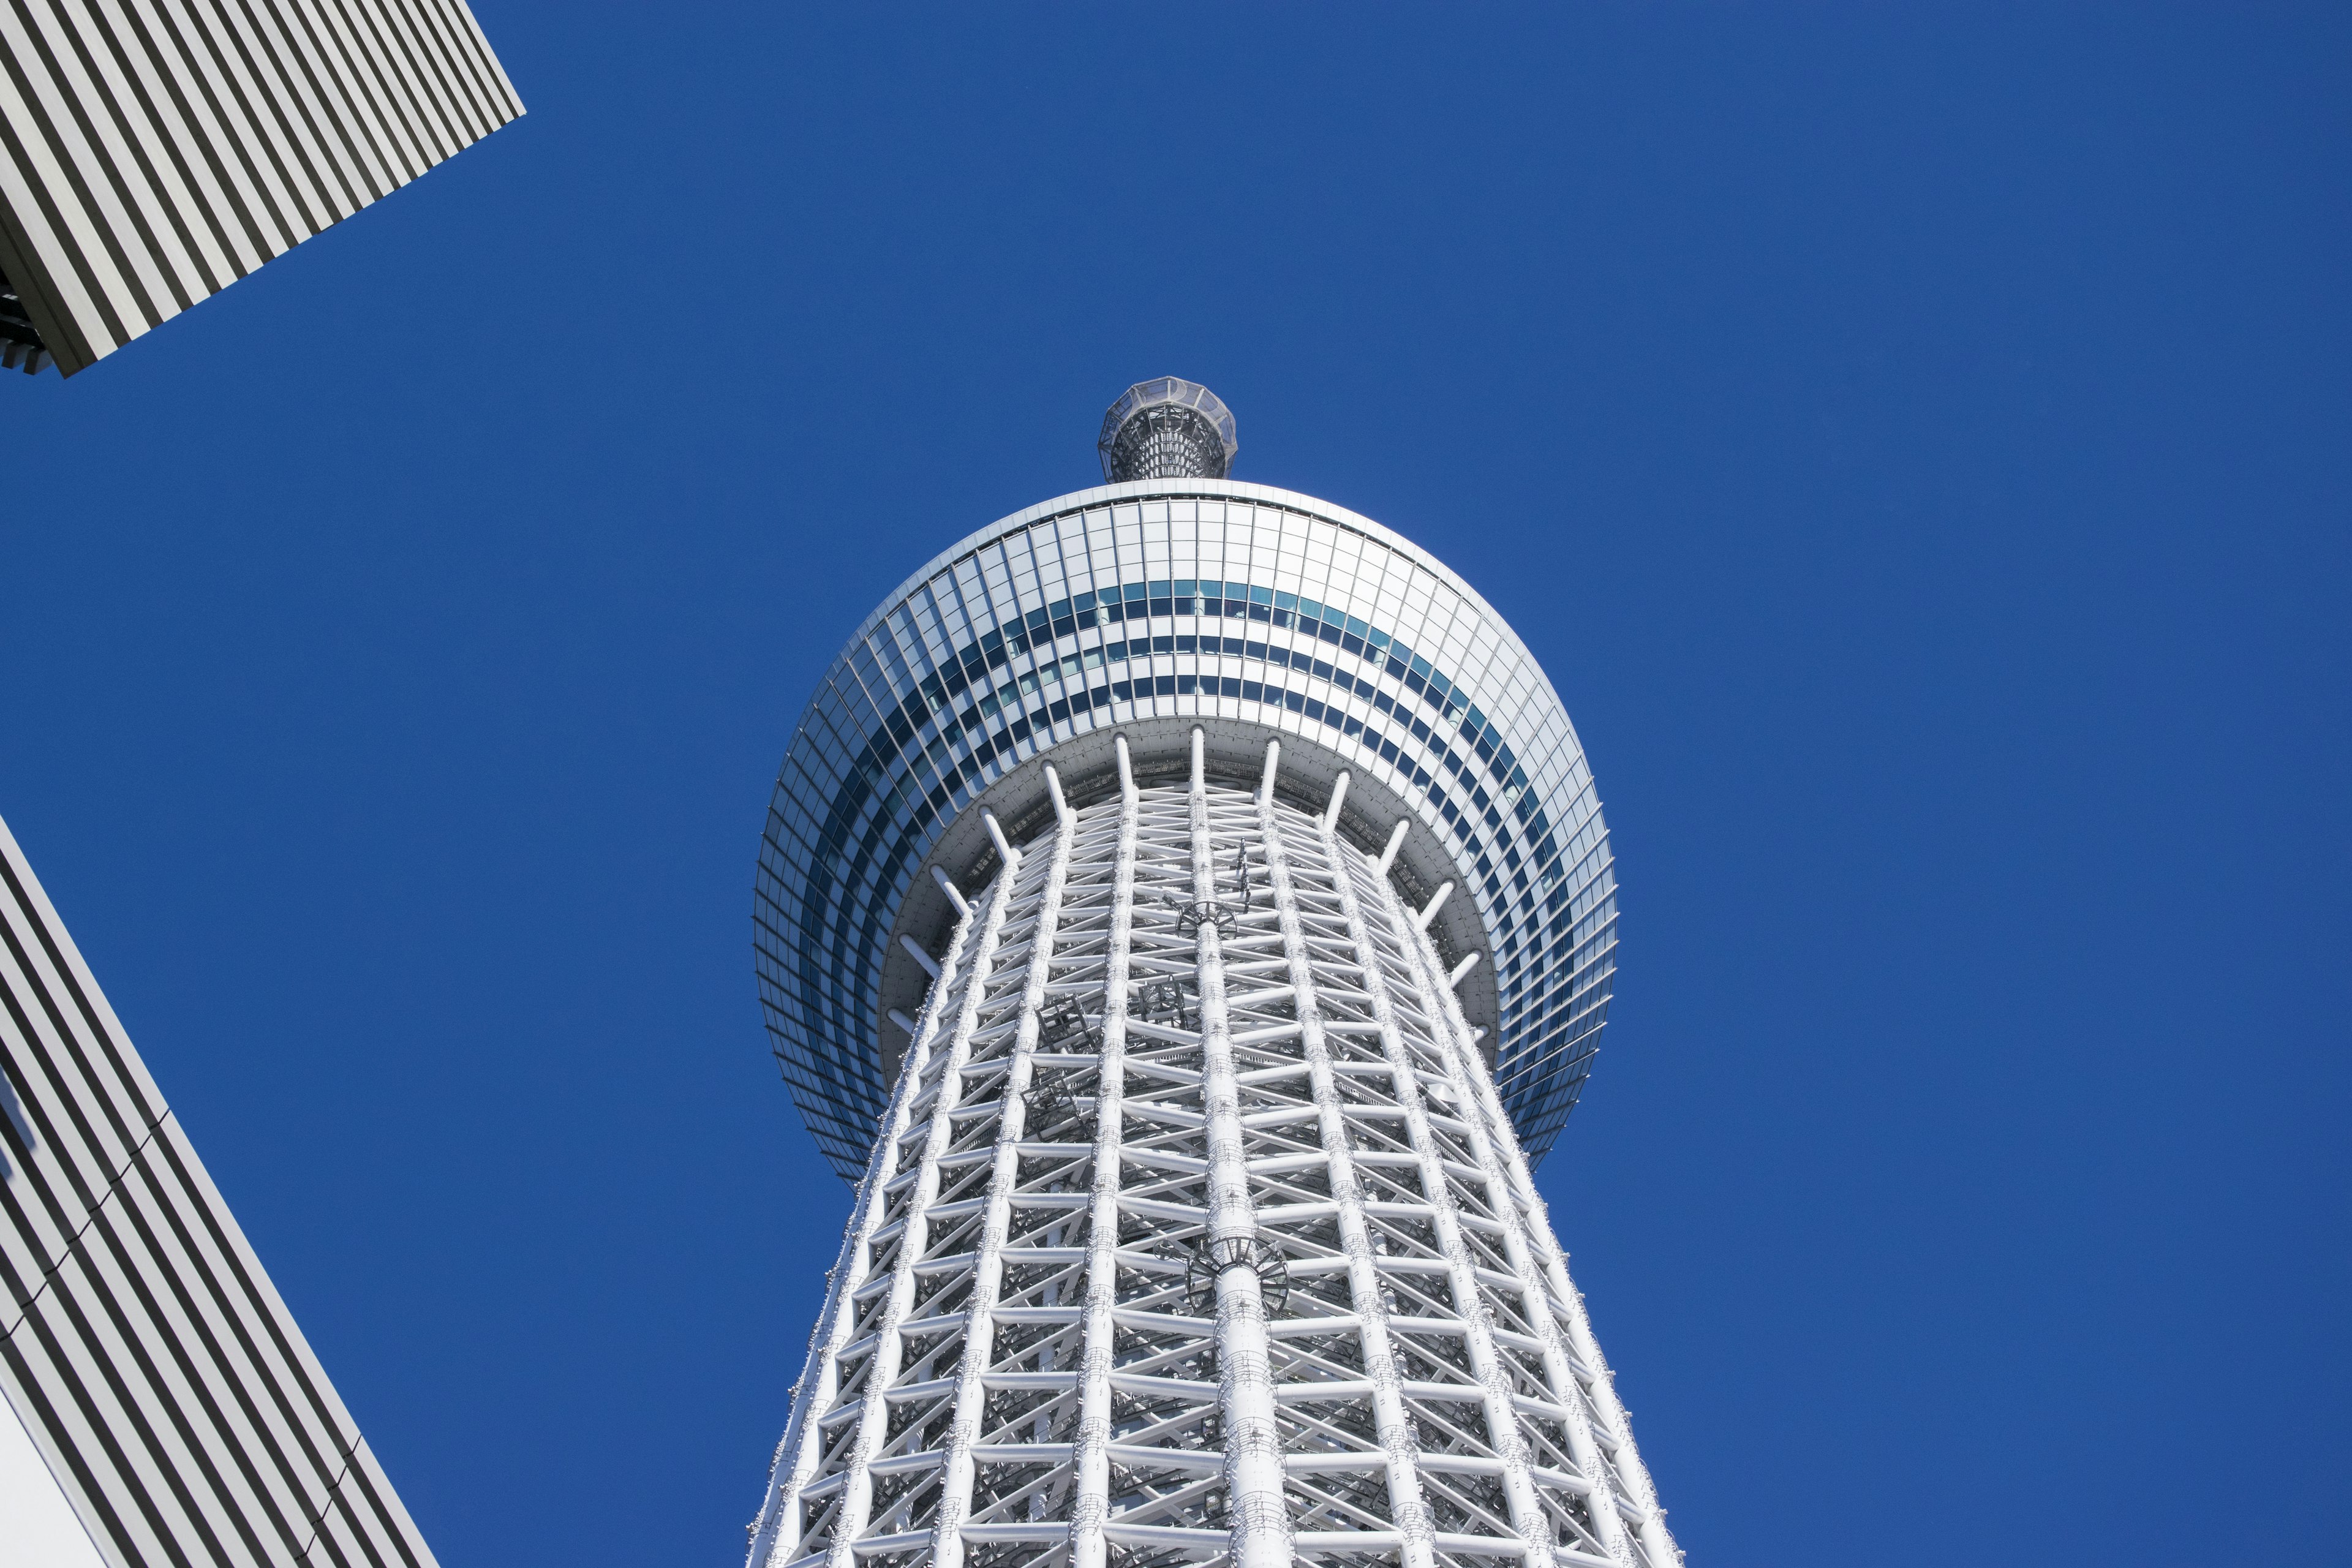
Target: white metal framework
<point x="1196" y="1232"/>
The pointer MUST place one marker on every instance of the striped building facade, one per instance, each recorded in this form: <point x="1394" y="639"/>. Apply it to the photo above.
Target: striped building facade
<point x="153" y="152"/>
<point x="161" y="1406"/>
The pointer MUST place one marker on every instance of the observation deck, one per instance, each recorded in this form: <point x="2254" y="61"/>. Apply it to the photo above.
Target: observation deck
<point x="1147" y="608"/>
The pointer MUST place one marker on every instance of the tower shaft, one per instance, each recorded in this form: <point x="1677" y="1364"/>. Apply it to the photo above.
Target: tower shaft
<point x="1196" y="1232"/>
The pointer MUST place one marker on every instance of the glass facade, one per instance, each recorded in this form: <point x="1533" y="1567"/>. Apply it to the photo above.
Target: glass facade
<point x="1180" y="597"/>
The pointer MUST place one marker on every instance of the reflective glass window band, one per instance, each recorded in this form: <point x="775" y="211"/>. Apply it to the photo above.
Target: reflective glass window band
<point x="926" y="749"/>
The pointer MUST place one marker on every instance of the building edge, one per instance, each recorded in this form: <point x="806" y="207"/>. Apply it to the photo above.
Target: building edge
<point x="155" y="1369"/>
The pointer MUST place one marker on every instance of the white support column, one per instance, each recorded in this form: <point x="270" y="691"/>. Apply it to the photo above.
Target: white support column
<point x="874" y="1418"/>
<point x="1252" y="1461"/>
<point x="776" y="1536"/>
<point x="1527" y="1517"/>
<point x="1092" y="1508"/>
<point x="1544" y="1273"/>
<point x="1389" y="1417"/>
<point x="1338" y="799"/>
<point x="1657" y="1543"/>
<point x="980" y="1335"/>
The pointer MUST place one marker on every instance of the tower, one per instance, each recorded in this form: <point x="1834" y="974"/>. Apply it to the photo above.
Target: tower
<point x="1186" y="915"/>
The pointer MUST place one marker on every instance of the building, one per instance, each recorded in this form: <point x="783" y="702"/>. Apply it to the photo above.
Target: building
<point x="153" y="152"/>
<point x="1186" y="914"/>
<point x="162" y="1408"/>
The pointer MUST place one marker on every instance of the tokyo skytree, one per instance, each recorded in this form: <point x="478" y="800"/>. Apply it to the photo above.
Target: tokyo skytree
<point x="1185" y="915"/>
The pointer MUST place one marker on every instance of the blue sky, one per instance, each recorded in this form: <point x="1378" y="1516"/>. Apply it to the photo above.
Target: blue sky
<point x="1914" y="440"/>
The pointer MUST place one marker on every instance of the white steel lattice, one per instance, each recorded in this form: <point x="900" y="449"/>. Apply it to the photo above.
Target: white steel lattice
<point x="1196" y="1232"/>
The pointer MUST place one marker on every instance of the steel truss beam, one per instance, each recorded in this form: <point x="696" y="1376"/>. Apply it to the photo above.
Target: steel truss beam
<point x="1196" y="1232"/>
